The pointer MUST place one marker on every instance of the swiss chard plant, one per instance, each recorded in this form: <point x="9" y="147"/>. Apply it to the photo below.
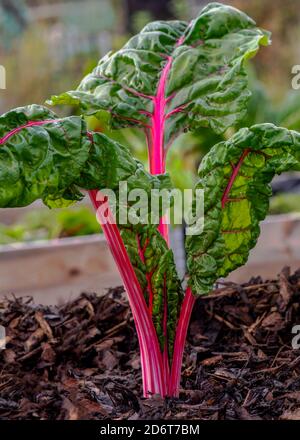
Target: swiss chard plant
<point x="171" y="77"/>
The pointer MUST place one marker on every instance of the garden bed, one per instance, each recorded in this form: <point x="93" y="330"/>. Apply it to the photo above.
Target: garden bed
<point x="81" y="360"/>
<point x="85" y="262"/>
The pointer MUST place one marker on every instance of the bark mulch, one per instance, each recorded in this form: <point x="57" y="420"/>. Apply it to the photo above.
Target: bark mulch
<point x="81" y="360"/>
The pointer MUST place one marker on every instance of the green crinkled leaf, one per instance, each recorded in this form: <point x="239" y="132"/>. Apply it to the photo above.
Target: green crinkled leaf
<point x="44" y="157"/>
<point x="110" y="163"/>
<point x="235" y="176"/>
<point x="187" y="75"/>
<point x="40" y="161"/>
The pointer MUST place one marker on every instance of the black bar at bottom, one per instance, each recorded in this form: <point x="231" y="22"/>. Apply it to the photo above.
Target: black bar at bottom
<point x="104" y="429"/>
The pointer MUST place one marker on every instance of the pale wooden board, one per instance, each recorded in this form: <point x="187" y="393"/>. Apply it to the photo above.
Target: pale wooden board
<point x="59" y="270"/>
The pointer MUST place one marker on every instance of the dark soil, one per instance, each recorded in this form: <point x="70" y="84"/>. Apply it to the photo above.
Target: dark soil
<point x="81" y="360"/>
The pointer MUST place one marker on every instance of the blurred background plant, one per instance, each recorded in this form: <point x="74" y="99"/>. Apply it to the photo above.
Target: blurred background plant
<point x="47" y="46"/>
<point x="42" y="224"/>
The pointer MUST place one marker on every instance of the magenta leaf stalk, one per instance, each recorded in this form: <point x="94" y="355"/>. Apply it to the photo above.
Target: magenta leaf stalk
<point x="151" y="359"/>
<point x="233" y="176"/>
<point x="27" y="125"/>
<point x="181" y="332"/>
<point x="157" y="165"/>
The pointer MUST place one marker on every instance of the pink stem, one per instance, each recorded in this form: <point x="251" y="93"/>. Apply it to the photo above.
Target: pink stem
<point x="166" y="363"/>
<point x="151" y="359"/>
<point x="157" y="165"/>
<point x="22" y="127"/>
<point x="181" y="332"/>
<point x="233" y="176"/>
<point x="176" y="110"/>
<point x="157" y="155"/>
<point x="156" y="144"/>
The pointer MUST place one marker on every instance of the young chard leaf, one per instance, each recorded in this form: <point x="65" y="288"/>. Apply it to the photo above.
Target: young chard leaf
<point x="41" y="156"/>
<point x="235" y="176"/>
<point x="44" y="157"/>
<point x="174" y="76"/>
